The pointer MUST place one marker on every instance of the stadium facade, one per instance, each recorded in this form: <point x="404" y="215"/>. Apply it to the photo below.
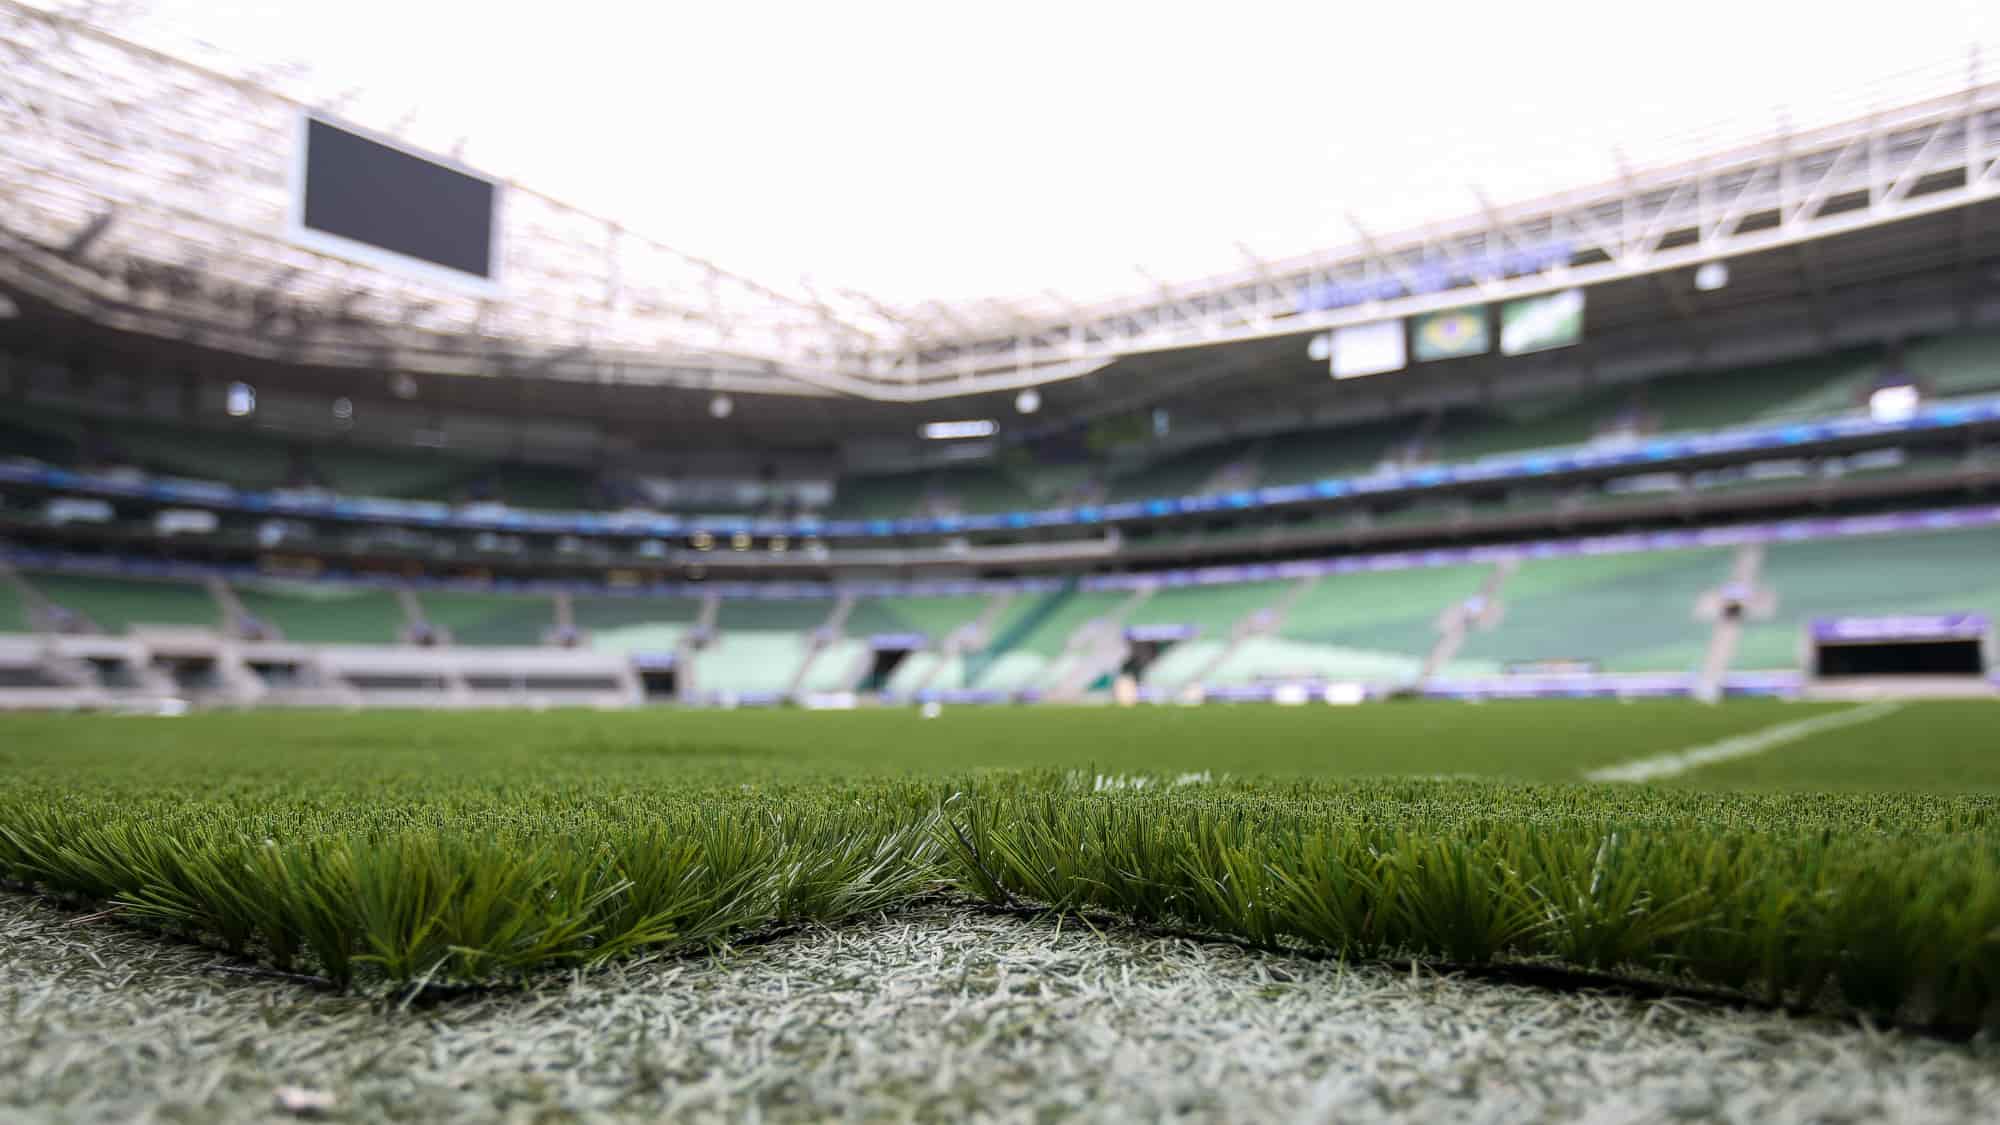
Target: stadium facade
<point x="1690" y="432"/>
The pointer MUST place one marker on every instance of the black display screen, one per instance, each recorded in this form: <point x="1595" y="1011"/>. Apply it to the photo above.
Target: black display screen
<point x="384" y="197"/>
<point x="1956" y="657"/>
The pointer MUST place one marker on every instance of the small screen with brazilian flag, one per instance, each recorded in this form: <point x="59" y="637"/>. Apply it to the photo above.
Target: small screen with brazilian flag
<point x="1451" y="334"/>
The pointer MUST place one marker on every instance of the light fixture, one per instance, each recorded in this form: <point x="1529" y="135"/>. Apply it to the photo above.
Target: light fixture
<point x="701" y="541"/>
<point x="740" y="541"/>
<point x="1894" y="404"/>
<point x="778" y="544"/>
<point x="241" y="401"/>
<point x="403" y="385"/>
<point x="1319" y="349"/>
<point x="343" y="408"/>
<point x="1711" y="276"/>
<point x="720" y="407"/>
<point x="1028" y="401"/>
<point x="970" y="428"/>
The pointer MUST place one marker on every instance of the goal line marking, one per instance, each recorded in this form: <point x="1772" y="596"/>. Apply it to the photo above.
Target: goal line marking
<point x="1741" y="746"/>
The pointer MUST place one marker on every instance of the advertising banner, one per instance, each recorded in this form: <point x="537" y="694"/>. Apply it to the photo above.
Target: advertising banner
<point x="1537" y="324"/>
<point x="1368" y="349"/>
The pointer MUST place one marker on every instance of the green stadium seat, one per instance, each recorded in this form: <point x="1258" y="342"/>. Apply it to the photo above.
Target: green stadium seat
<point x="1215" y="610"/>
<point x="489" y="619"/>
<point x="1391" y="612"/>
<point x="917" y="667"/>
<point x="834" y="665"/>
<point x="1012" y="671"/>
<point x="1266" y="659"/>
<point x="13" y="610"/>
<point x="935" y="617"/>
<point x="974" y="489"/>
<point x="1629" y="612"/>
<point x="547" y="487"/>
<point x="1770" y="393"/>
<point x="1516" y="426"/>
<point x="1348" y="451"/>
<point x="1967" y="363"/>
<point x="117" y="604"/>
<point x="1181" y="663"/>
<point x="636" y="623"/>
<point x="1183" y="473"/>
<point x="749" y="662"/>
<point x="355" y="470"/>
<point x="325" y="612"/>
<point x="1940" y="572"/>
<point x="797" y="615"/>
<point x="886" y="496"/>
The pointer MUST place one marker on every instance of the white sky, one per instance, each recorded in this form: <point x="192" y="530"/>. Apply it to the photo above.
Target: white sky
<point x="957" y="150"/>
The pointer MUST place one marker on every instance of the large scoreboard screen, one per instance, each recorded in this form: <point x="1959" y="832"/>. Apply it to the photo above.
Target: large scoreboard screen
<point x="373" y="200"/>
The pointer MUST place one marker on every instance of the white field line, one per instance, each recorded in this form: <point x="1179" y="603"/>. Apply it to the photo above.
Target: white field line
<point x="1741" y="746"/>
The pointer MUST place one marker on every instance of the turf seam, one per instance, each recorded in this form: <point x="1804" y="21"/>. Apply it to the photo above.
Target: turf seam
<point x="1552" y="978"/>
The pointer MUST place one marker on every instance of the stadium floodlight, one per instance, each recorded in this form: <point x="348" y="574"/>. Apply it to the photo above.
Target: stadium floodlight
<point x="720" y="407"/>
<point x="1711" y="276"/>
<point x="1028" y="401"/>
<point x="241" y="401"/>
<point x="1894" y="404"/>
<point x="969" y="428"/>
<point x="343" y="408"/>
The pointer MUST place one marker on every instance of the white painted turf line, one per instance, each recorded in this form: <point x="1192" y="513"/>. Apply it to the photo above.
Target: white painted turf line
<point x="1741" y="746"/>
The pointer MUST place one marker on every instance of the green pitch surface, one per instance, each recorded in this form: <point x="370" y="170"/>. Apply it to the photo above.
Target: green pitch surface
<point x="396" y="847"/>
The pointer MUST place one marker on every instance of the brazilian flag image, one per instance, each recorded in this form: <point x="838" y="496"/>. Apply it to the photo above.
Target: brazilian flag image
<point x="1451" y="333"/>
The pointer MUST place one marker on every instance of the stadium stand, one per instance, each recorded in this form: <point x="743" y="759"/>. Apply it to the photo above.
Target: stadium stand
<point x="487" y="619"/>
<point x="1034" y="636"/>
<point x="1308" y="455"/>
<point x="1624" y="613"/>
<point x="1941" y="572"/>
<point x="362" y="471"/>
<point x="1185" y="473"/>
<point x="750" y="663"/>
<point x="324" y="613"/>
<point x="13" y="608"/>
<point x="761" y="647"/>
<point x="19" y="437"/>
<point x="546" y="486"/>
<point x="884" y="496"/>
<point x="1768" y="393"/>
<point x="115" y="605"/>
<point x="1542" y="422"/>
<point x="1214" y="609"/>
<point x="1962" y="363"/>
<point x="1370" y="625"/>
<point x="635" y="623"/>
<point x="788" y="615"/>
<point x="973" y="489"/>
<point x="935" y="617"/>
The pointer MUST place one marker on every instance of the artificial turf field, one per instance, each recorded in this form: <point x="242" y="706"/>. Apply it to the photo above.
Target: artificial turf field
<point x="1852" y="869"/>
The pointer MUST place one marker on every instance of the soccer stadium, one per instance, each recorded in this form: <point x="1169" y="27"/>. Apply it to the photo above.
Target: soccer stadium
<point x="463" y="658"/>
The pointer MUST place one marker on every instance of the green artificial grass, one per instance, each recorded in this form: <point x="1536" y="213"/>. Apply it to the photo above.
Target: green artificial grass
<point x="485" y="847"/>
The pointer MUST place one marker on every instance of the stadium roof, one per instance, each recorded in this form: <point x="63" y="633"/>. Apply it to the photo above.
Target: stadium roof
<point x="705" y="326"/>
